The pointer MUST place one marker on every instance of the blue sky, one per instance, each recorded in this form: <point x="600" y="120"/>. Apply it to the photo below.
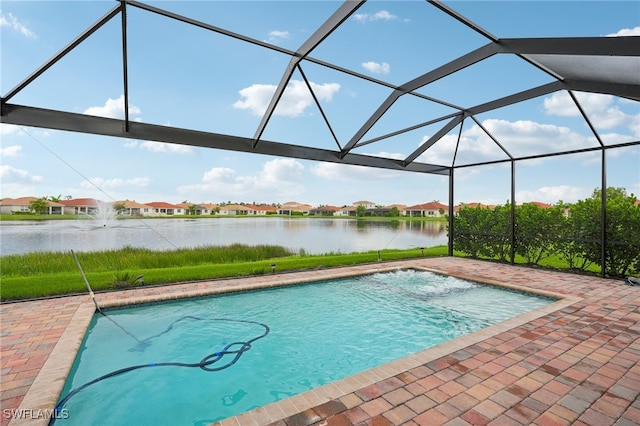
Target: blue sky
<point x="191" y="78"/>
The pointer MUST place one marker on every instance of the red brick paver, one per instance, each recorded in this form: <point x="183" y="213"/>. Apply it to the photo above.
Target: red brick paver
<point x="576" y="365"/>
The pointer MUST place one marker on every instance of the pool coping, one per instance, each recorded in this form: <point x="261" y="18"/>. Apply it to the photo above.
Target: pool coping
<point x="45" y="391"/>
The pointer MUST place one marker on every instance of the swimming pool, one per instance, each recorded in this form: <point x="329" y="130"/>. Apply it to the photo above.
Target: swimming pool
<point x="299" y="338"/>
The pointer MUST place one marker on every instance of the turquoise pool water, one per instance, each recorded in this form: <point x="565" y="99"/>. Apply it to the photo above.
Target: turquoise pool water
<point x="140" y="365"/>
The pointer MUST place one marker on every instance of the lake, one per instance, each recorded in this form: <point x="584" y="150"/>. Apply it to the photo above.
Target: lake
<point x="313" y="235"/>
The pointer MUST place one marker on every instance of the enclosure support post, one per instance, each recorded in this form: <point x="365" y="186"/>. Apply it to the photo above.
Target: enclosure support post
<point x="603" y="216"/>
<point x="451" y="212"/>
<point x="125" y="72"/>
<point x="512" y="251"/>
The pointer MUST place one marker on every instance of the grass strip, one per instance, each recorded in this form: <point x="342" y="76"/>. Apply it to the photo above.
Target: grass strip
<point x="64" y="278"/>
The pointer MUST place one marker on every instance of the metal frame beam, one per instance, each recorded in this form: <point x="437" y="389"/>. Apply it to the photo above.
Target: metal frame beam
<point x="535" y="51"/>
<point x="339" y="16"/>
<point x="435" y="138"/>
<point x="458" y="64"/>
<point x="92" y="29"/>
<point x="207" y="26"/>
<point x="59" y="120"/>
<point x="584" y="46"/>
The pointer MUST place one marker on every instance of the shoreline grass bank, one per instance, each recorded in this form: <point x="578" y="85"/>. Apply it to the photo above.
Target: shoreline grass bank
<point x="49" y="274"/>
<point x="52" y="274"/>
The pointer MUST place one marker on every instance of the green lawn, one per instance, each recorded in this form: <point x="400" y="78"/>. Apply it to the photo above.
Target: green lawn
<point x="37" y="275"/>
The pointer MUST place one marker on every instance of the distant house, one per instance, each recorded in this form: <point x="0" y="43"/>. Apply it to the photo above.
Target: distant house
<point x="23" y="205"/>
<point x="386" y="210"/>
<point x="292" y="206"/>
<point x="237" y="209"/>
<point x="209" y="208"/>
<point x="87" y="206"/>
<point x="246" y="210"/>
<point x="160" y="208"/>
<point x="566" y="211"/>
<point x="324" y="211"/>
<point x="198" y="209"/>
<point x="264" y="209"/>
<point x="131" y="208"/>
<point x="346" y="211"/>
<point x="366" y="204"/>
<point x="55" y="208"/>
<point x="401" y="208"/>
<point x="471" y="205"/>
<point x="431" y="209"/>
<point x="540" y="205"/>
<point x="378" y="211"/>
<point x="16" y="205"/>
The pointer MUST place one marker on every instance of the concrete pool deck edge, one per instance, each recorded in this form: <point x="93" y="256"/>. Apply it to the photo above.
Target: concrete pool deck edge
<point x="613" y="302"/>
<point x="55" y="371"/>
<point x="298" y="403"/>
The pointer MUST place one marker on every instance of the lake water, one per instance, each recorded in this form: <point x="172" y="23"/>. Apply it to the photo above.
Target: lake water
<point x="314" y="236"/>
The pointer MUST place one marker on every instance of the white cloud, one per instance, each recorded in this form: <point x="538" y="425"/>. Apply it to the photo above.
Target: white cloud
<point x="113" y="108"/>
<point x="140" y="181"/>
<point x="553" y="194"/>
<point x="277" y="36"/>
<point x="626" y="32"/>
<point x="521" y="138"/>
<point x="8" y="129"/>
<point x="294" y="101"/>
<point x="350" y="173"/>
<point x="10" y="21"/>
<point x="164" y="147"/>
<point x="256" y="98"/>
<point x="528" y="133"/>
<point x="220" y="175"/>
<point x="278" y="180"/>
<point x="530" y="137"/>
<point x="381" y="15"/>
<point x="376" y="67"/>
<point x="561" y="104"/>
<point x="109" y="184"/>
<point x="634" y="125"/>
<point x="281" y="170"/>
<point x="10" y="173"/>
<point x="469" y="174"/>
<point x="341" y="172"/>
<point x="475" y="146"/>
<point x="10" y="151"/>
<point x="603" y="110"/>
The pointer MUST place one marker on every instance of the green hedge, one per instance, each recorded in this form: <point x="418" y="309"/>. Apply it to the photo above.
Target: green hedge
<point x="568" y="235"/>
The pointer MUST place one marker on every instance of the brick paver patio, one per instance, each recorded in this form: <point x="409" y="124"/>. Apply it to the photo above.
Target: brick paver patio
<point x="575" y="363"/>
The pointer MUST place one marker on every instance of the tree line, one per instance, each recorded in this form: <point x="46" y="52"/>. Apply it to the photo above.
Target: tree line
<point x="571" y="232"/>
